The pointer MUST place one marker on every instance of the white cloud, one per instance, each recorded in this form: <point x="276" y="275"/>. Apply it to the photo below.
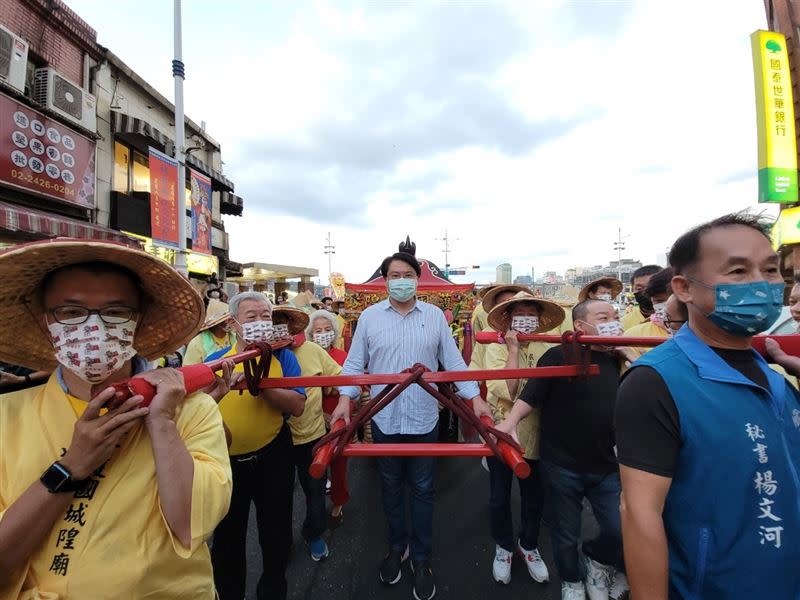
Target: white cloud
<point x="530" y="131"/>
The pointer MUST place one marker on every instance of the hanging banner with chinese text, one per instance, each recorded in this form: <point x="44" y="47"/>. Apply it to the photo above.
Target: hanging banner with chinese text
<point x="163" y="199"/>
<point x="777" y="146"/>
<point x="201" y="212"/>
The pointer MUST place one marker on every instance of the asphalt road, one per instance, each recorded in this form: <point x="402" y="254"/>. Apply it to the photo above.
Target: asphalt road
<point x="463" y="548"/>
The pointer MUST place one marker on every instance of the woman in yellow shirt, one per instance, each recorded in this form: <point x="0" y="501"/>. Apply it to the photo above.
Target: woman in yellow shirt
<point x="309" y="427"/>
<point x="522" y="313"/>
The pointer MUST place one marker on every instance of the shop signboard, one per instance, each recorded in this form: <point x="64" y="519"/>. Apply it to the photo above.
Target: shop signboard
<point x="200" y="186"/>
<point x="777" y="146"/>
<point x="200" y="264"/>
<point x="44" y="157"/>
<point x="163" y="198"/>
<point x="786" y="229"/>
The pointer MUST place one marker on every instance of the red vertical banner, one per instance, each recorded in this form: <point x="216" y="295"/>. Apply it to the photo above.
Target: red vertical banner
<point x="164" y="192"/>
<point x="201" y="212"/>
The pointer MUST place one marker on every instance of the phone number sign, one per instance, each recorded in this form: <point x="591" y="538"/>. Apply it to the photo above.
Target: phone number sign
<point x="40" y="155"/>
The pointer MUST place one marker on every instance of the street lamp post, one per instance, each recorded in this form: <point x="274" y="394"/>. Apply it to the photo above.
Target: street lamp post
<point x="619" y="246"/>
<point x="178" y="74"/>
<point x="329" y="250"/>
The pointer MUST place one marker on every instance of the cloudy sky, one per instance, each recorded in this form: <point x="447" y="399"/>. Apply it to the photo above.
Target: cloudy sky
<point x="529" y="131"/>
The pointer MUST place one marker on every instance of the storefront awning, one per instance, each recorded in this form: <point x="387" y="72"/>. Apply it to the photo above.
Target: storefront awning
<point x="231" y="204"/>
<point x="27" y="220"/>
<point x="122" y="123"/>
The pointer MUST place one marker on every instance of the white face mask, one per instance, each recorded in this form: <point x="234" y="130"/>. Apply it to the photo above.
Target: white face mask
<point x="281" y="331"/>
<point x="93" y="350"/>
<point x="610" y="329"/>
<point x="524" y="324"/>
<point x="660" y="310"/>
<point x="257" y="331"/>
<point x="604" y="297"/>
<point x="324" y="338"/>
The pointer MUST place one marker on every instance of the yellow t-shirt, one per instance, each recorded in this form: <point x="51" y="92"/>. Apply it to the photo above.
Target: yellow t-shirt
<point x="113" y="541"/>
<point x="479" y="323"/>
<point x="339" y="343"/>
<point x="646" y="329"/>
<point x="499" y="399"/>
<point x="479" y="319"/>
<point x="314" y="361"/>
<point x="253" y="421"/>
<point x="477" y="361"/>
<point x="632" y="319"/>
<point x="196" y="350"/>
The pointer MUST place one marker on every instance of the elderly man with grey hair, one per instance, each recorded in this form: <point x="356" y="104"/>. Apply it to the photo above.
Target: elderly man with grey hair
<point x="261" y="461"/>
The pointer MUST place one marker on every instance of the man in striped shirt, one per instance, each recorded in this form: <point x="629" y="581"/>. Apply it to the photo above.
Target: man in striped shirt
<point x="391" y="336"/>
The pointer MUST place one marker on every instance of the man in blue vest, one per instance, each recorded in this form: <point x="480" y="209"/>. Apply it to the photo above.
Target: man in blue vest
<point x="708" y="435"/>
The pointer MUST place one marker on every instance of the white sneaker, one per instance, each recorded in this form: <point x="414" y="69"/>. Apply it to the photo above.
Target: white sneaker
<point x="572" y="591"/>
<point x="536" y="567"/>
<point x="598" y="579"/>
<point x="501" y="567"/>
<point x="619" y="589"/>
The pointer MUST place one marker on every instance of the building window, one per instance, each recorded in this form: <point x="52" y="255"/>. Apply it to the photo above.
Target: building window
<point x="141" y="173"/>
<point x="122" y="168"/>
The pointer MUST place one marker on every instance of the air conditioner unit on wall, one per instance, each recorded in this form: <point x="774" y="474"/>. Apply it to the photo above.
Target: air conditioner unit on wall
<point x="13" y="59"/>
<point x="65" y="98"/>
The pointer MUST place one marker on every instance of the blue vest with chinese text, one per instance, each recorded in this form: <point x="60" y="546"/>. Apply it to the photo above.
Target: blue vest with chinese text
<point x="732" y="514"/>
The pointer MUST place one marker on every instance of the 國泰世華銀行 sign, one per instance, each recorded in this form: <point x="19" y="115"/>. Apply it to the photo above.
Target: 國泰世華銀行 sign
<point x="777" y="146"/>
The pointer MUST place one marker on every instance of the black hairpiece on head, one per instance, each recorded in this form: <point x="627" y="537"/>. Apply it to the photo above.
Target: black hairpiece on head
<point x="408" y="247"/>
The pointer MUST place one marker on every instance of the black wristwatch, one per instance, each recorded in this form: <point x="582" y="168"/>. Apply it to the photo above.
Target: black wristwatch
<point x="57" y="480"/>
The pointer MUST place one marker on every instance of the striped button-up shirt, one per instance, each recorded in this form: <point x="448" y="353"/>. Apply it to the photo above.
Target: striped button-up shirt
<point x="388" y="342"/>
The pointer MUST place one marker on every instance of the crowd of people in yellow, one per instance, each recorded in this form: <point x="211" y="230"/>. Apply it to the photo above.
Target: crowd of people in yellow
<point x="687" y="453"/>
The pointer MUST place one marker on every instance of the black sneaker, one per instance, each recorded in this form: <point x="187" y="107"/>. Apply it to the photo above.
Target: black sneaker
<point x="424" y="586"/>
<point x="391" y="571"/>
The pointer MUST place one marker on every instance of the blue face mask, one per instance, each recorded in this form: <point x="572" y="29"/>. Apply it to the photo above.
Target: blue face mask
<point x="745" y="309"/>
<point x="402" y="290"/>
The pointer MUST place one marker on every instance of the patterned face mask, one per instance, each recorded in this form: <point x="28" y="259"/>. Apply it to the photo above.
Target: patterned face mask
<point x="324" y="338"/>
<point x="281" y="331"/>
<point x="659" y="314"/>
<point x="93" y="350"/>
<point x="525" y="324"/>
<point x="257" y="331"/>
<point x="745" y="309"/>
<point x="610" y="329"/>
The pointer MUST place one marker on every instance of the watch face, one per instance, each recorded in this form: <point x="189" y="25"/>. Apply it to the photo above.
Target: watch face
<point x="55" y="478"/>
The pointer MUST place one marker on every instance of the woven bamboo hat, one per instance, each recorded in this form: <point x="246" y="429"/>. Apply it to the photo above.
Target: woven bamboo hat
<point x="484" y="290"/>
<point x="172" y="310"/>
<point x="551" y="315"/>
<point x="294" y="317"/>
<point x="216" y="312"/>
<point x="490" y="298"/>
<point x="612" y="282"/>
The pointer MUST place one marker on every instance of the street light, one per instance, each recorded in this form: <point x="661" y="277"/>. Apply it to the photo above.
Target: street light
<point x="619" y="246"/>
<point x="178" y="74"/>
<point x="329" y="250"/>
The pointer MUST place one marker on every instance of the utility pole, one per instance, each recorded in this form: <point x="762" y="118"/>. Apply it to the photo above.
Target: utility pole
<point x="619" y="246"/>
<point x="446" y="241"/>
<point x="329" y="250"/>
<point x="178" y="74"/>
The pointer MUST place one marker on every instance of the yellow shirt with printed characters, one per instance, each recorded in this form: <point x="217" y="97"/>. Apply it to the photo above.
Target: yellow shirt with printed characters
<point x="113" y="541"/>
